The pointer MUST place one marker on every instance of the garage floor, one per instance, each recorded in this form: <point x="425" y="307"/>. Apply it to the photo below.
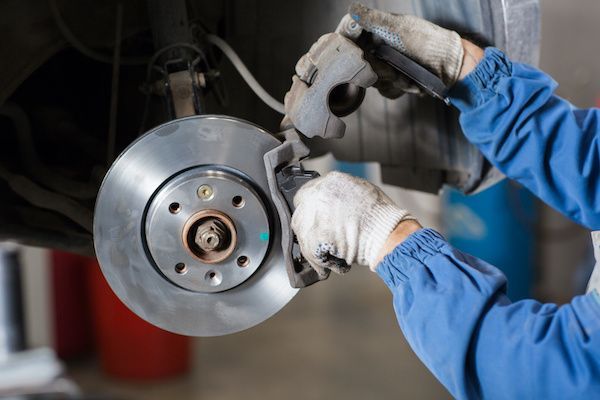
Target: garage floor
<point x="339" y="339"/>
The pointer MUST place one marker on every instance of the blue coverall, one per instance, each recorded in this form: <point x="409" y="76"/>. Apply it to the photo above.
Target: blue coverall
<point x="452" y="307"/>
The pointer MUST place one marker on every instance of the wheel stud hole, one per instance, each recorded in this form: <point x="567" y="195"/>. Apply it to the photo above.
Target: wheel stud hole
<point x="174" y="208"/>
<point x="243" y="261"/>
<point x="214" y="278"/>
<point x="238" y="201"/>
<point x="180" y="268"/>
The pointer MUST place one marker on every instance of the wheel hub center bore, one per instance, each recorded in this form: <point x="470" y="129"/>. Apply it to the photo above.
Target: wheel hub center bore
<point x="210" y="235"/>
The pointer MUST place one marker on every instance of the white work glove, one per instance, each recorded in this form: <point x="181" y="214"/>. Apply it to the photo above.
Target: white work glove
<point x="437" y="49"/>
<point x="341" y="220"/>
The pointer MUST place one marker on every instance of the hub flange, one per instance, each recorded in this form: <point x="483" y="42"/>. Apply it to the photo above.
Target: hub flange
<point x="207" y="233"/>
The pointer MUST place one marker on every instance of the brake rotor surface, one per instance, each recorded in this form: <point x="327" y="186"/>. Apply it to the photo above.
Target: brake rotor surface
<point x="185" y="232"/>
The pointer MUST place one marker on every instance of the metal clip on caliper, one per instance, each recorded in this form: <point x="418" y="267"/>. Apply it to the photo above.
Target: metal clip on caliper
<point x="333" y="86"/>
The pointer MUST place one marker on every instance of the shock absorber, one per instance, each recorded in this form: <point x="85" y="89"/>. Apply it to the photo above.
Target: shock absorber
<point x="177" y="57"/>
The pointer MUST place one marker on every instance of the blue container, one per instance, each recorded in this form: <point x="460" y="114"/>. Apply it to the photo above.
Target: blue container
<point x="498" y="226"/>
<point x="360" y="169"/>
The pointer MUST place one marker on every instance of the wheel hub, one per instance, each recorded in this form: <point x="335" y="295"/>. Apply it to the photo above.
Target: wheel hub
<point x="207" y="233"/>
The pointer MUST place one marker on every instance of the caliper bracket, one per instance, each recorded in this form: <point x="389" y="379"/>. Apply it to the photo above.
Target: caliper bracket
<point x="286" y="176"/>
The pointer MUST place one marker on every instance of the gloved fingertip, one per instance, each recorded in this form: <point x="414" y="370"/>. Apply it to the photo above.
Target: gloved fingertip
<point x="321" y="271"/>
<point x="358" y="11"/>
<point x="286" y="123"/>
<point x="339" y="268"/>
<point x="324" y="255"/>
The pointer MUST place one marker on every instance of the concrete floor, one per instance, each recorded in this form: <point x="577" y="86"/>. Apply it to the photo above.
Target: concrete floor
<point x="339" y="339"/>
<point x="336" y="339"/>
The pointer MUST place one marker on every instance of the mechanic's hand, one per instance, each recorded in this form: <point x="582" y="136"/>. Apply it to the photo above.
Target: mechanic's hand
<point x="438" y="49"/>
<point x="341" y="220"/>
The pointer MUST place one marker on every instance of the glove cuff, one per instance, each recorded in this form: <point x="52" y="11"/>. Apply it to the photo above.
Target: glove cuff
<point x="378" y="225"/>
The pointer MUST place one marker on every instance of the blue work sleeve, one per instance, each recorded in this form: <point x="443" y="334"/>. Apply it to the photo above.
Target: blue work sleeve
<point x="510" y="112"/>
<point x="454" y="312"/>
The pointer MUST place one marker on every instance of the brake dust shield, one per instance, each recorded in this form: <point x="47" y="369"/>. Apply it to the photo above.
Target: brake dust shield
<point x="185" y="230"/>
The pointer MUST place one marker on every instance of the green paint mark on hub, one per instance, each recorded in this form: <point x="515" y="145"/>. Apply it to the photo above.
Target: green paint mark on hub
<point x="264" y="236"/>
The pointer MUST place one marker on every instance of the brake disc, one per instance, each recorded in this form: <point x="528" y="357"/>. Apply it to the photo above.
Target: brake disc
<point x="185" y="230"/>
